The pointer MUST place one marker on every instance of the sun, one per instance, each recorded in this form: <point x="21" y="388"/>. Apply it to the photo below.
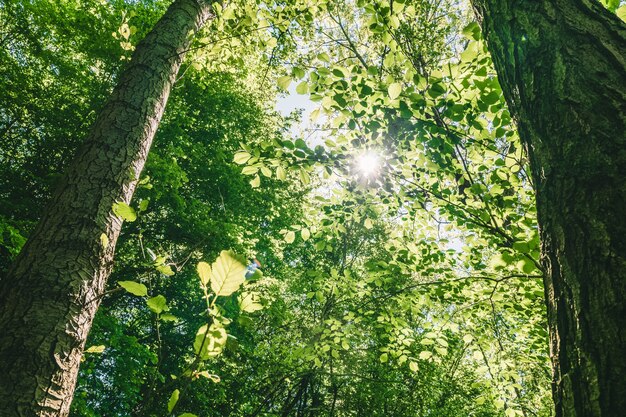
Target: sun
<point x="368" y="164"/>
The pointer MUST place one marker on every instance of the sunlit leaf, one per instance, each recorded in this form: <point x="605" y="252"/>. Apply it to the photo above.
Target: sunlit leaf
<point x="157" y="304"/>
<point x="227" y="273"/>
<point x="134" y="288"/>
<point x="124" y="211"/>
<point x="173" y="400"/>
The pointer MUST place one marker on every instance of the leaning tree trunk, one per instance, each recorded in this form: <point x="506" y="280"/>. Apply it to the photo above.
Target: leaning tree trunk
<point x="50" y="295"/>
<point x="562" y="67"/>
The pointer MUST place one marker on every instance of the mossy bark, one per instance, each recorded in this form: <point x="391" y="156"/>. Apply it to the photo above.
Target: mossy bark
<point x="562" y="67"/>
<point x="50" y="295"/>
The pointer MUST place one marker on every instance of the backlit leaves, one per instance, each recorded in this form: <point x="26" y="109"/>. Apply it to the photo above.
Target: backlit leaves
<point x="134" y="288"/>
<point x="227" y="273"/>
<point x="124" y="211"/>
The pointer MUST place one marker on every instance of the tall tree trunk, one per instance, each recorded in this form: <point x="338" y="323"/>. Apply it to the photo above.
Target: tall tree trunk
<point x="562" y="67"/>
<point x="51" y="293"/>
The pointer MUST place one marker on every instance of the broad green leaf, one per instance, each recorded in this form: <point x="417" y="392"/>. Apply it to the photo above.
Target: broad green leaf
<point x="227" y="273"/>
<point x="302" y="88"/>
<point x="209" y="341"/>
<point x="157" y="304"/>
<point x="413" y="366"/>
<point x="173" y="400"/>
<point x="394" y="90"/>
<point x="280" y="173"/>
<point x="187" y="415"/>
<point x="249" y="302"/>
<point x="324" y="57"/>
<point x="124" y="211"/>
<point x="242" y="157"/>
<point x="255" y="182"/>
<point x="425" y="355"/>
<point x="134" y="288"/>
<point x="165" y="270"/>
<point x="229" y="13"/>
<point x="368" y="224"/>
<point x="304" y="177"/>
<point x="384" y="357"/>
<point x="290" y="236"/>
<point x="95" y="349"/>
<point x="168" y="317"/>
<point x="250" y="170"/>
<point x="306" y="234"/>
<point x="204" y="271"/>
<point x="284" y="81"/>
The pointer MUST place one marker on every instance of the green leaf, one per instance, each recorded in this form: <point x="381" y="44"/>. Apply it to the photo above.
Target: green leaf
<point x="472" y="31"/>
<point x="306" y="234"/>
<point x="368" y="224"/>
<point x="173" y="400"/>
<point x="394" y="90"/>
<point x="165" y="270"/>
<point x="229" y="13"/>
<point x="413" y="366"/>
<point x="324" y="57"/>
<point x="621" y="13"/>
<point x="104" y="240"/>
<point x="187" y="415"/>
<point x="209" y="341"/>
<point x="157" y="304"/>
<point x="204" y="271"/>
<point x="302" y="88"/>
<point x="249" y="170"/>
<point x="304" y="177"/>
<point x="290" y="236"/>
<point x="255" y="182"/>
<point x="242" y="157"/>
<point x="284" y="81"/>
<point x="425" y="355"/>
<point x="134" y="288"/>
<point x="266" y="172"/>
<point x="168" y="317"/>
<point x="384" y="357"/>
<point x="124" y="211"/>
<point x="95" y="349"/>
<point x="227" y="273"/>
<point x="280" y="173"/>
<point x="249" y="303"/>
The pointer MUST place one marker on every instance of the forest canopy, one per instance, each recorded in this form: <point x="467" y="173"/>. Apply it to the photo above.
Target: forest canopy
<point x="373" y="250"/>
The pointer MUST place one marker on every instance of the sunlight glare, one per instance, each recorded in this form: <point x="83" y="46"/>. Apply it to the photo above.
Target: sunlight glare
<point x="368" y="163"/>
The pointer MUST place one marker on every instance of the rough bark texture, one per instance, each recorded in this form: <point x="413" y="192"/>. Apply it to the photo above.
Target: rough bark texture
<point x="52" y="291"/>
<point x="562" y="67"/>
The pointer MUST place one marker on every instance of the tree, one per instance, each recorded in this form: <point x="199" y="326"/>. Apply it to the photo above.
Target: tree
<point x="562" y="69"/>
<point x="51" y="292"/>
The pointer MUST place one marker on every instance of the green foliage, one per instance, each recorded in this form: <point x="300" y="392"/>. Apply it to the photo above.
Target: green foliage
<point x="227" y="274"/>
<point x="411" y="288"/>
<point x="134" y="288"/>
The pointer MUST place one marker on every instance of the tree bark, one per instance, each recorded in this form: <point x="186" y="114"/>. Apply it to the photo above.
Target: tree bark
<point x="50" y="295"/>
<point x="562" y="67"/>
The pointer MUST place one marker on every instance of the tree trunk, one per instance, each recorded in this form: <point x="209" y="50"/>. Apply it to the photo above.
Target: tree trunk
<point x="562" y="67"/>
<point x="51" y="293"/>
